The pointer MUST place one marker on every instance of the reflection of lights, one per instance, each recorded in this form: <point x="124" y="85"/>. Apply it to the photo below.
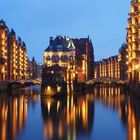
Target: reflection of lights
<point x="60" y="130"/>
<point x="20" y="112"/>
<point x="84" y="113"/>
<point x="58" y="88"/>
<point x="134" y="134"/>
<point x="49" y="106"/>
<point x="3" y="133"/>
<point x="48" y="88"/>
<point x="4" y="112"/>
<point x="68" y="136"/>
<point x="58" y="106"/>
<point x="48" y="129"/>
<point x="126" y="109"/>
<point x="71" y="101"/>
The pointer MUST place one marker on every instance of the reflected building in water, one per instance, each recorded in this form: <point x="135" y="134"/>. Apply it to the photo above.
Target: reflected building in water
<point x="128" y="108"/>
<point x="133" y="119"/>
<point x="14" y="111"/>
<point x="68" y="118"/>
<point x="13" y="117"/>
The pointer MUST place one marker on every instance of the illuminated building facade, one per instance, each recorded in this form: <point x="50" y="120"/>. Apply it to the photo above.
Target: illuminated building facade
<point x="74" y="56"/>
<point x="13" y="55"/>
<point x="133" y="45"/>
<point x="107" y="68"/>
<point x="60" y="53"/>
<point x="21" y="59"/>
<point x="3" y="51"/>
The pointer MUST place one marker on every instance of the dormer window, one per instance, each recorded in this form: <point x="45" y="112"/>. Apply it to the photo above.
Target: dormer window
<point x="59" y="48"/>
<point x="51" y="47"/>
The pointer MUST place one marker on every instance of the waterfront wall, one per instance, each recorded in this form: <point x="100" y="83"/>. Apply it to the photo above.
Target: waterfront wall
<point x="3" y="87"/>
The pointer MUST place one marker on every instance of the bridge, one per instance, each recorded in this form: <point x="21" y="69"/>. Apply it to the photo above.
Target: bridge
<point x="36" y="81"/>
<point x="107" y="81"/>
<point x="19" y="83"/>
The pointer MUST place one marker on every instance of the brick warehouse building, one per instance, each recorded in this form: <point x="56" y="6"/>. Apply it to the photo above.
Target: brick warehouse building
<point x="114" y="67"/>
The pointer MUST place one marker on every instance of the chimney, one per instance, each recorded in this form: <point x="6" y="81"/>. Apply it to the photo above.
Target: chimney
<point x="51" y="40"/>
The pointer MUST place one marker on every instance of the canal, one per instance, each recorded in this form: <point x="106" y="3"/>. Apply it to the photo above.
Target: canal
<point x="101" y="113"/>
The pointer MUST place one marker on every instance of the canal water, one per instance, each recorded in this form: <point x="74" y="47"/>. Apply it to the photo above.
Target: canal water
<point x="101" y="113"/>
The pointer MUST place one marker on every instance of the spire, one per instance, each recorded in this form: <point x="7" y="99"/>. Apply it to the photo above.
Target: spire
<point x="33" y="59"/>
<point x="71" y="45"/>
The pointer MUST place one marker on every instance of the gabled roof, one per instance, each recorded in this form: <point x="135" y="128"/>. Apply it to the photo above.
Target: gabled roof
<point x="58" y="44"/>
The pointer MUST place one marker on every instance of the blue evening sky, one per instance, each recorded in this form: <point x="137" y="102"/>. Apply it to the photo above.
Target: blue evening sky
<point x="36" y="20"/>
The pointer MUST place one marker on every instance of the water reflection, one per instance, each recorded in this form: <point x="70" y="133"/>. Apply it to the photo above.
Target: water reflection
<point x="128" y="107"/>
<point x="133" y="119"/>
<point x="68" y="118"/>
<point x="14" y="111"/>
<point x="72" y="117"/>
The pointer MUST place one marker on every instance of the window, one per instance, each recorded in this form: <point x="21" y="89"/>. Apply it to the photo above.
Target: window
<point x="62" y="58"/>
<point x="55" y="58"/>
<point x="48" y="58"/>
<point x="65" y="58"/>
<point x="59" y="48"/>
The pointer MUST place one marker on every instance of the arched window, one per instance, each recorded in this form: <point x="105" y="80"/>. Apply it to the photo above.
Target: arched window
<point x="65" y="58"/>
<point x="55" y="58"/>
<point x="48" y="58"/>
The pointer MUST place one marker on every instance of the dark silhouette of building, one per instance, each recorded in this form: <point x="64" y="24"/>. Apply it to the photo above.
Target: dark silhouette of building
<point x="34" y="68"/>
<point x="84" y="57"/>
<point x="123" y="62"/>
